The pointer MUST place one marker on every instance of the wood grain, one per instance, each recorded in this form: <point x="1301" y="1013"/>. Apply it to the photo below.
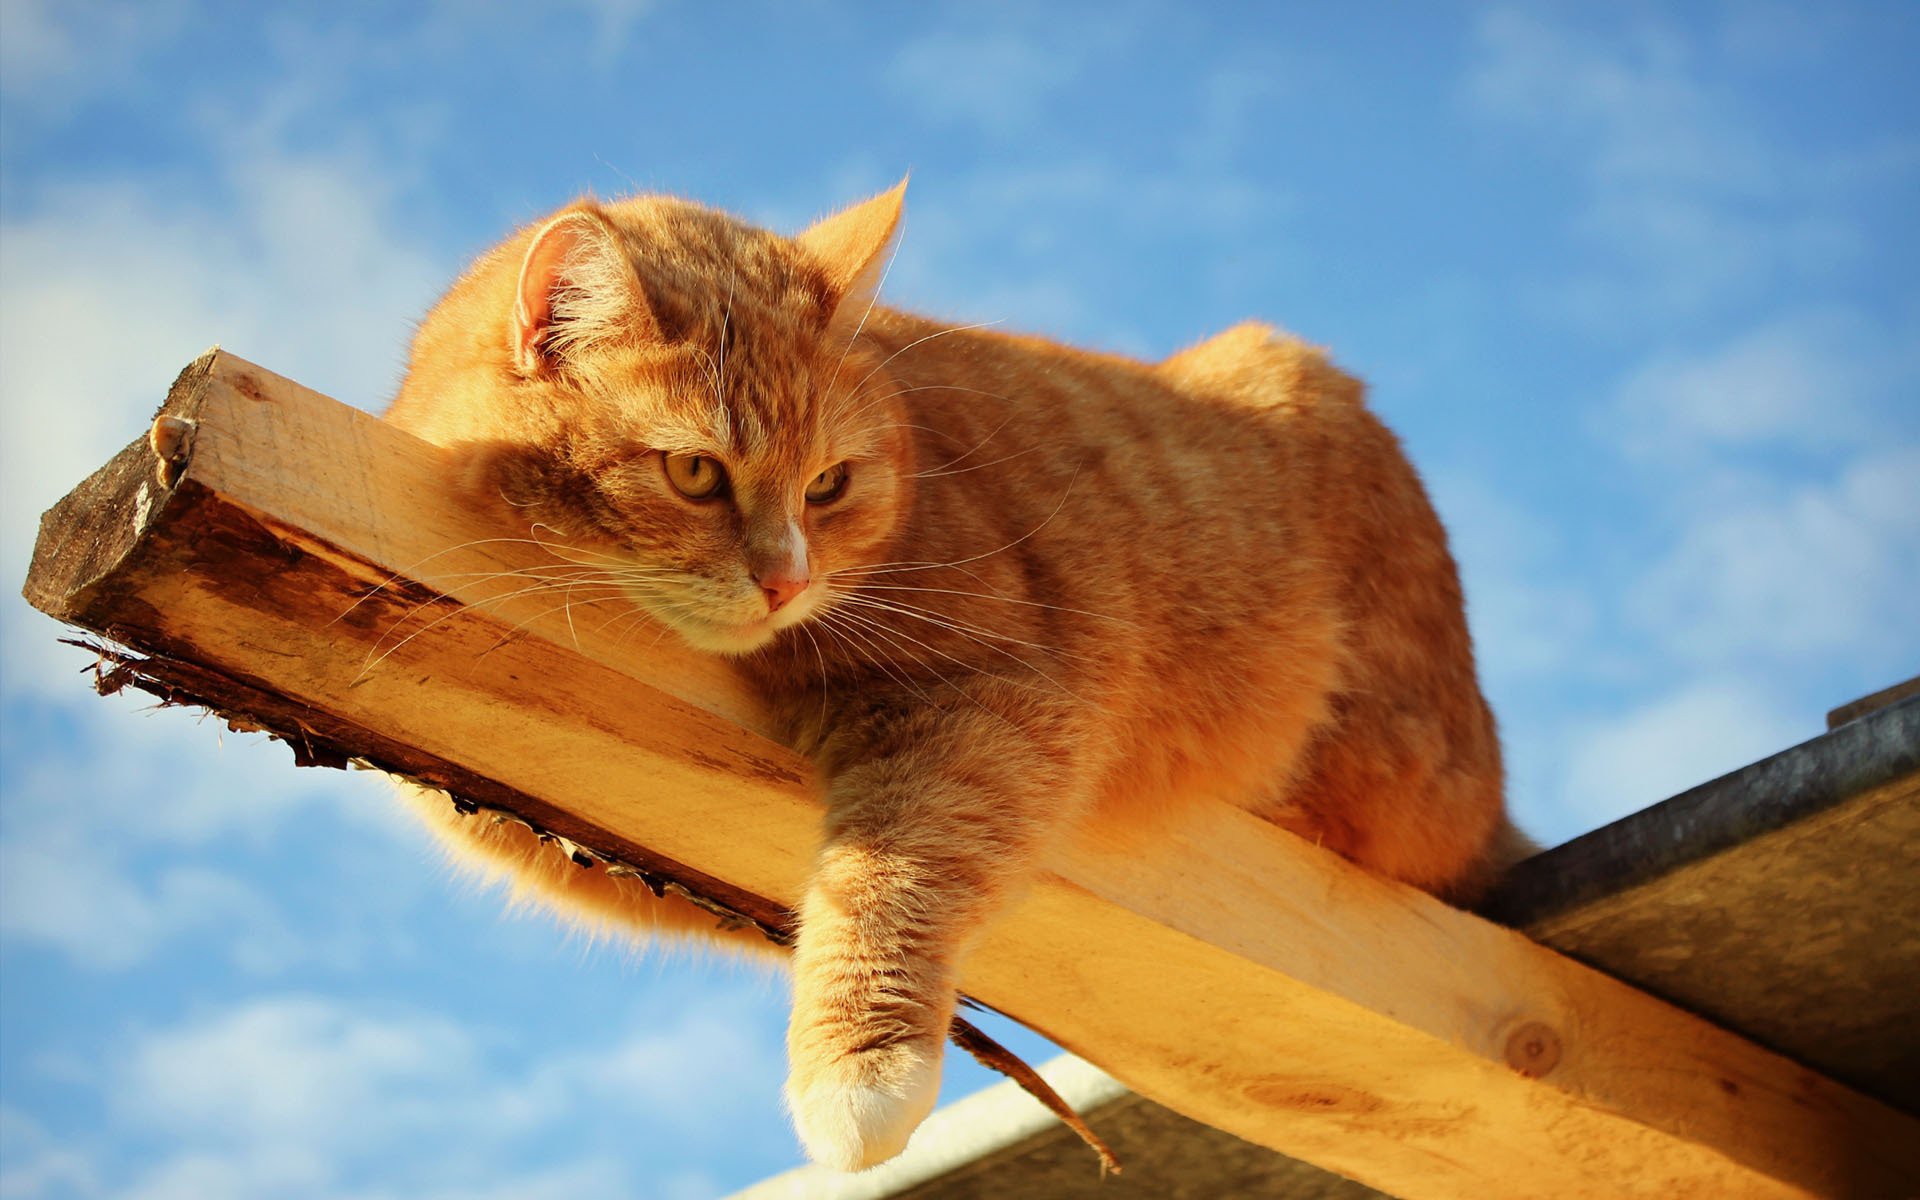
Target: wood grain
<point x="306" y="552"/>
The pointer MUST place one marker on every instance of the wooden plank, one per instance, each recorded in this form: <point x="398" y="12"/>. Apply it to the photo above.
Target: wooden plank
<point x="1778" y="900"/>
<point x="1853" y="710"/>
<point x="997" y="1144"/>
<point x="1215" y="964"/>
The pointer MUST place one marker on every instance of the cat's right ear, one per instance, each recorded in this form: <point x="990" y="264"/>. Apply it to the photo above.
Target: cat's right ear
<point x="577" y="290"/>
<point x="855" y="245"/>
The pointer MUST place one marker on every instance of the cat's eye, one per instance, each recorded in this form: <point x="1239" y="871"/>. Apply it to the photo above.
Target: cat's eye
<point x="695" y="476"/>
<point x="828" y="484"/>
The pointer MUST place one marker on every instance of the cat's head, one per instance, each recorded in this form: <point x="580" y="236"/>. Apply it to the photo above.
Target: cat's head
<point x="679" y="403"/>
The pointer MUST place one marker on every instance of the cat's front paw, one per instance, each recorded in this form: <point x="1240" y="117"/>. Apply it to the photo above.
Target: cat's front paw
<point x="860" y="1109"/>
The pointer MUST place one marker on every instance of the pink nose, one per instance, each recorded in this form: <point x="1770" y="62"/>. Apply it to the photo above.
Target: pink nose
<point x="781" y="588"/>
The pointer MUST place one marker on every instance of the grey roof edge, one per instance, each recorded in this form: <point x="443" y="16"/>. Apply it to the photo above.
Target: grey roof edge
<point x="955" y="1136"/>
<point x="1784" y="789"/>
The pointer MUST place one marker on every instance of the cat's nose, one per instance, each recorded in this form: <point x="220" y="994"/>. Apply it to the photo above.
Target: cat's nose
<point x="781" y="586"/>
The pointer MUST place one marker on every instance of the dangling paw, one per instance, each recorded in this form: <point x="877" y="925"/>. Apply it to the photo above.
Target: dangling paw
<point x="860" y="1109"/>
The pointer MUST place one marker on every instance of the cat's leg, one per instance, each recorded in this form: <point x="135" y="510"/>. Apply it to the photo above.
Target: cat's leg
<point x="928" y="835"/>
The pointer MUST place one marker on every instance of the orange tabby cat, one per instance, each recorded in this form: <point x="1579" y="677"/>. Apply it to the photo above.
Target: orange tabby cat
<point x="993" y="585"/>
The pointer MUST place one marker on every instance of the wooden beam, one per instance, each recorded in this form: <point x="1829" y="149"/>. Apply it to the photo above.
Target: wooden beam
<point x="288" y="558"/>
<point x="1778" y="900"/>
<point x="1853" y="710"/>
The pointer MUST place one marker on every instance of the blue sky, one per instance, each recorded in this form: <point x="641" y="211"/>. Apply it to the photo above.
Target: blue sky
<point x="1636" y="283"/>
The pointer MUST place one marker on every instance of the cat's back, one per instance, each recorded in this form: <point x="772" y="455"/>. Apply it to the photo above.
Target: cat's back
<point x="1232" y="451"/>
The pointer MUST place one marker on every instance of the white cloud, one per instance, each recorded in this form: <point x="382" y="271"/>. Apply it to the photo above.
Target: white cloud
<point x="1022" y="220"/>
<point x="1673" y="254"/>
<point x="305" y="1071"/>
<point x="307" y="1096"/>
<point x="995" y="80"/>
<point x="1691" y="206"/>
<point x="598" y="1176"/>
<point x="611" y="27"/>
<point x="1526" y="626"/>
<point x="1823" y="573"/>
<point x="34" y="1165"/>
<point x="96" y="912"/>
<point x="1622" y="763"/>
<point x="54" y="53"/>
<point x="676" y="1078"/>
<point x="254" y="1172"/>
<point x="998" y="70"/>
<point x="1813" y="380"/>
<point x="293" y="257"/>
<point x="1631" y="107"/>
<point x="1788" y="456"/>
<point x="137" y="774"/>
<point x="117" y="836"/>
<point x="106" y="291"/>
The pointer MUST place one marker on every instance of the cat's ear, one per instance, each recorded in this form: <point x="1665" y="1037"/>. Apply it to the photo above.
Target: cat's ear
<point x="855" y="245"/>
<point x="577" y="290"/>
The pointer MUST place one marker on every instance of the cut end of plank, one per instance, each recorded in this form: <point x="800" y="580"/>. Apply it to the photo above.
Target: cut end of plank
<point x="84" y="538"/>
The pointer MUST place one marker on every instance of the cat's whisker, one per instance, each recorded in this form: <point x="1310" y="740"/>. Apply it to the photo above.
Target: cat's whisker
<point x="954" y="623"/>
<point x="440" y="595"/>
<point x="586" y="557"/>
<point x="939" y="433"/>
<point x="948" y="387"/>
<point x="822" y="657"/>
<point x="634" y="617"/>
<point x="936" y="620"/>
<point x="905" y="564"/>
<point x="412" y="570"/>
<point x="566" y="603"/>
<point x="960" y="562"/>
<point x="619" y="614"/>
<point x="939" y="333"/>
<point x="966" y="454"/>
<point x="877" y="655"/>
<point x="868" y="402"/>
<point x="726" y="328"/>
<point x="893" y="635"/>
<point x="711" y="369"/>
<point x="475" y="579"/>
<point x="872" y="300"/>
<point x="458" y="609"/>
<point x="1048" y="520"/>
<point x="521" y="626"/>
<point x="936" y="474"/>
<point x="1078" y="612"/>
<point x="897" y="604"/>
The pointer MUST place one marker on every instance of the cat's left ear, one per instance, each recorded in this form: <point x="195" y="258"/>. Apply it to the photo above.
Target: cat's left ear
<point x="855" y="245"/>
<point x="577" y="290"/>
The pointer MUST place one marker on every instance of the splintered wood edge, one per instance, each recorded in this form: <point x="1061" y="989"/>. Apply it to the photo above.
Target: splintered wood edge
<point x="321" y="739"/>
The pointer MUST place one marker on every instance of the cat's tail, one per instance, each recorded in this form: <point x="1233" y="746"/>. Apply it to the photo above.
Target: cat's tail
<point x="1507" y="847"/>
<point x="539" y="872"/>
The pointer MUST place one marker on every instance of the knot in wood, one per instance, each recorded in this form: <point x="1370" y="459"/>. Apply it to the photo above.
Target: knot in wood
<point x="1533" y="1049"/>
<point x="171" y="440"/>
